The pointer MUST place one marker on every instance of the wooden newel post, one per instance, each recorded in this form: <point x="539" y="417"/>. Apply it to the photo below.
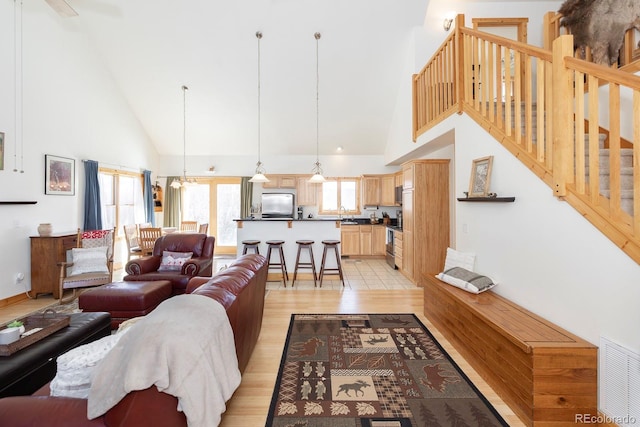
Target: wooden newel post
<point x="563" y="122"/>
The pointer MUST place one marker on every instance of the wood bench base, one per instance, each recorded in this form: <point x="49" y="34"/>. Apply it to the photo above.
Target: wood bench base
<point x="545" y="374"/>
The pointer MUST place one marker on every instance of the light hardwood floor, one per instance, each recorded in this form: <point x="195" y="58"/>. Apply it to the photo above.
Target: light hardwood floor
<point x="371" y="287"/>
<point x="250" y="403"/>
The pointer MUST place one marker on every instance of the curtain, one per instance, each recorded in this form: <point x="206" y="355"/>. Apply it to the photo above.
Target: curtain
<point x="92" y="208"/>
<point x="148" y="199"/>
<point x="172" y="202"/>
<point x="246" y="197"/>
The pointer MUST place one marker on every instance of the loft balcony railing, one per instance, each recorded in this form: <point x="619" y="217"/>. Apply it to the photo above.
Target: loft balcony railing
<point x="575" y="124"/>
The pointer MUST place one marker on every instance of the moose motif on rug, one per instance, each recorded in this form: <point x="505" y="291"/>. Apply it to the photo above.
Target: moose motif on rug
<point x="600" y="25"/>
<point x="357" y="387"/>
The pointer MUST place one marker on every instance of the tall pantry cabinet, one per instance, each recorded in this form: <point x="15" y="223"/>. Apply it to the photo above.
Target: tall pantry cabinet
<point x="425" y="213"/>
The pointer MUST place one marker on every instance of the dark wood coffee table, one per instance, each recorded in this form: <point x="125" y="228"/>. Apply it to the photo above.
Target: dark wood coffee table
<point x="27" y="370"/>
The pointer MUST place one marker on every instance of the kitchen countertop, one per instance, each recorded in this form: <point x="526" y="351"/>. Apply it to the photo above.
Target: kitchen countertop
<point x="344" y="221"/>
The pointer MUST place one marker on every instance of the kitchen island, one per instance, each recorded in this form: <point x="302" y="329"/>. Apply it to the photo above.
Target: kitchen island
<point x="290" y="230"/>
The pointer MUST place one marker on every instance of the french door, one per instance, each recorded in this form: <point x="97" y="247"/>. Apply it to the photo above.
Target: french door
<point x="215" y="201"/>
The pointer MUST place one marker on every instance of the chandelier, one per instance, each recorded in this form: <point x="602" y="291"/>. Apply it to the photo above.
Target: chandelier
<point x="260" y="171"/>
<point x="184" y="181"/>
<point x="317" y="168"/>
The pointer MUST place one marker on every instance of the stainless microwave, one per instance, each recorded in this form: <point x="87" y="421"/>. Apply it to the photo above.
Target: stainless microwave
<point x="399" y="195"/>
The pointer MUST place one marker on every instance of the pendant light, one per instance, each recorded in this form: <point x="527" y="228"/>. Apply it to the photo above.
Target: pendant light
<point x="184" y="181"/>
<point x="259" y="175"/>
<point x="317" y="177"/>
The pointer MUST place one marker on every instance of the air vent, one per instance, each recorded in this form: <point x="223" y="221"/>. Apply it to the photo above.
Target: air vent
<point x="619" y="383"/>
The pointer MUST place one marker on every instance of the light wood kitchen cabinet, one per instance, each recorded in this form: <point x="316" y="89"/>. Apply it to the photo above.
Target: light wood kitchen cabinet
<point x="408" y="170"/>
<point x="388" y="190"/>
<point x="371" y="190"/>
<point x="307" y="192"/>
<point x="378" y="240"/>
<point x="399" y="179"/>
<point x="350" y="239"/>
<point x="425" y="210"/>
<point x="365" y="240"/>
<point x="280" y="181"/>
<point x="397" y="248"/>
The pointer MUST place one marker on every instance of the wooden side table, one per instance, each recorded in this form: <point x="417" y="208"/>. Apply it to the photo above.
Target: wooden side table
<point x="46" y="253"/>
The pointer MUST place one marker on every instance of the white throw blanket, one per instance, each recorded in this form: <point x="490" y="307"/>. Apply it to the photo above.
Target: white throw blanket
<point x="185" y="348"/>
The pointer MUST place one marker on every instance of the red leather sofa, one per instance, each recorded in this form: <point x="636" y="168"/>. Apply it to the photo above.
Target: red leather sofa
<point x="201" y="263"/>
<point x="240" y="289"/>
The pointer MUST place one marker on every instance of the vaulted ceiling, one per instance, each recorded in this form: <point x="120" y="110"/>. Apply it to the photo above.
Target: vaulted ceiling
<point x="153" y="47"/>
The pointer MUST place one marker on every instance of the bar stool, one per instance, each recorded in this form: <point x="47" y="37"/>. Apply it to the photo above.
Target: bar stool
<point x="277" y="246"/>
<point x="305" y="244"/>
<point x="250" y="244"/>
<point x="331" y="244"/>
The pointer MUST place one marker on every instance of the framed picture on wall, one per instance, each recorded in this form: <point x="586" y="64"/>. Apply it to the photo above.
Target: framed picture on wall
<point x="59" y="175"/>
<point x="480" y="177"/>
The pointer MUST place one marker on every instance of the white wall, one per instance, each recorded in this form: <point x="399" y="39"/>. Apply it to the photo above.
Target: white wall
<point x="544" y="254"/>
<point x="71" y="108"/>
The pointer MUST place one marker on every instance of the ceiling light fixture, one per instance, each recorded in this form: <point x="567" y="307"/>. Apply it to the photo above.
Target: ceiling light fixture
<point x="317" y="168"/>
<point x="184" y="181"/>
<point x="259" y="175"/>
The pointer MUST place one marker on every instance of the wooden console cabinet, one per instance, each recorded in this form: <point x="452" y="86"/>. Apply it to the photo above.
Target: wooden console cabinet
<point x="46" y="253"/>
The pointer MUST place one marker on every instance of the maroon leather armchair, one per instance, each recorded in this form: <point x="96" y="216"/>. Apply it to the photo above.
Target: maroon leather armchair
<point x="200" y="264"/>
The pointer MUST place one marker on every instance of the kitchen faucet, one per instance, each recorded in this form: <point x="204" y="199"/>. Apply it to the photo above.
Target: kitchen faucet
<point x="342" y="209"/>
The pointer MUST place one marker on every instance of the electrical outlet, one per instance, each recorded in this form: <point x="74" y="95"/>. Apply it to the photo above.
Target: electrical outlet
<point x="465" y="229"/>
<point x="19" y="278"/>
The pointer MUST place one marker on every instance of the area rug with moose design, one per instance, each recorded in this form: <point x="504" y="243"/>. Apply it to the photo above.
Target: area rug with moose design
<point x="371" y="370"/>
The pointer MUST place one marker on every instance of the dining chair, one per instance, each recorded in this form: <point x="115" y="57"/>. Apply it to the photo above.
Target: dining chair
<point x="147" y="239"/>
<point x="189" y="226"/>
<point x="89" y="264"/>
<point x="203" y="229"/>
<point x="131" y="238"/>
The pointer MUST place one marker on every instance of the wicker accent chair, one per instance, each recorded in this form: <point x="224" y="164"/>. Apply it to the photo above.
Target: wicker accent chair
<point x="89" y="264"/>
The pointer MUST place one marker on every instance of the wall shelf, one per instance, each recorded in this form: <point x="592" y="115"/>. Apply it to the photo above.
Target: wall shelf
<point x="487" y="199"/>
<point x="17" y="202"/>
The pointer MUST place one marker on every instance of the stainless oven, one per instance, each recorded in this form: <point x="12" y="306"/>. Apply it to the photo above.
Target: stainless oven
<point x="390" y="257"/>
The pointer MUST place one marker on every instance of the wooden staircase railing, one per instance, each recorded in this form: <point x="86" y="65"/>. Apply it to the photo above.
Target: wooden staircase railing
<point x="530" y="100"/>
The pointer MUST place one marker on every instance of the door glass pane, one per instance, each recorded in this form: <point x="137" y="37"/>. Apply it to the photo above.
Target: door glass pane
<point x="107" y="199"/>
<point x="196" y="203"/>
<point x="228" y="203"/>
<point x="126" y="198"/>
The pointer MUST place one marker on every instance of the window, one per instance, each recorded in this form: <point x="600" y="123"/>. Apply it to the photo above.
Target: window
<point x="121" y="199"/>
<point x="340" y="196"/>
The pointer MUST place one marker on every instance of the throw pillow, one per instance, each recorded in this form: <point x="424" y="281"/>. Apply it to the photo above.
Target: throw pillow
<point x="173" y="261"/>
<point x="467" y="280"/>
<point x="456" y="258"/>
<point x="88" y="260"/>
<point x="75" y="367"/>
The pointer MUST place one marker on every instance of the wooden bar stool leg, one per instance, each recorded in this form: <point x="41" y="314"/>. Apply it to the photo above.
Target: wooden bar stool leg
<point x="313" y="266"/>
<point x="335" y="249"/>
<point x="284" y="264"/>
<point x="295" y="269"/>
<point x="324" y="257"/>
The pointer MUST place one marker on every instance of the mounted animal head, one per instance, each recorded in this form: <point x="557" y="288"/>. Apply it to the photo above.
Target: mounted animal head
<point x="600" y="25"/>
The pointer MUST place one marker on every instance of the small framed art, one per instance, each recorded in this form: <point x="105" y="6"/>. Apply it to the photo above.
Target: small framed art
<point x="59" y="175"/>
<point x="480" y="177"/>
